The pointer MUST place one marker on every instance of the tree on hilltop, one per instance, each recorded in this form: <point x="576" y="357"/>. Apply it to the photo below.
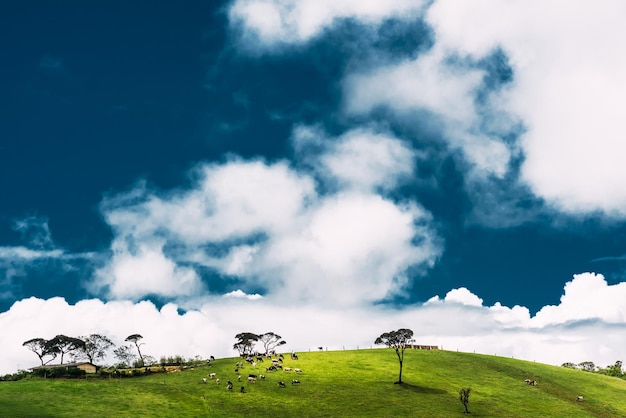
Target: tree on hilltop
<point x="124" y="354"/>
<point x="95" y="347"/>
<point x="135" y="338"/>
<point x="245" y="343"/>
<point x="63" y="345"/>
<point x="40" y="347"/>
<point x="398" y="340"/>
<point x="270" y="341"/>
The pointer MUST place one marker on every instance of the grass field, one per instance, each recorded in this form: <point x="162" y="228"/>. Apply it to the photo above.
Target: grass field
<point x="333" y="384"/>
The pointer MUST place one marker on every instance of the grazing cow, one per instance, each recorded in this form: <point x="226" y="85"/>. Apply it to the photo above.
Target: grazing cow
<point x="204" y="380"/>
<point x="217" y="381"/>
<point x="287" y="369"/>
<point x="252" y="375"/>
<point x="212" y="375"/>
<point x="229" y="386"/>
<point x="254" y="364"/>
<point x="281" y="384"/>
<point x="252" y="379"/>
<point x="527" y="381"/>
<point x="229" y="383"/>
<point x="243" y="389"/>
<point x="239" y="378"/>
<point x="580" y="398"/>
<point x="262" y="377"/>
<point x="270" y="369"/>
<point x="297" y="370"/>
<point x="295" y="382"/>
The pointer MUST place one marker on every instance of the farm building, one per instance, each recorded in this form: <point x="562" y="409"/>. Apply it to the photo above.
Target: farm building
<point x="86" y="366"/>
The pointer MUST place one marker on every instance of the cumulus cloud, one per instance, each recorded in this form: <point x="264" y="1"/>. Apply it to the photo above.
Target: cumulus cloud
<point x="568" y="88"/>
<point x="459" y="321"/>
<point x="265" y="227"/>
<point x="362" y="158"/>
<point x="271" y="23"/>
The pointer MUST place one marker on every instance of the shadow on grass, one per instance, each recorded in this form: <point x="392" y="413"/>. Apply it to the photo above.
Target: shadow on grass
<point x="421" y="389"/>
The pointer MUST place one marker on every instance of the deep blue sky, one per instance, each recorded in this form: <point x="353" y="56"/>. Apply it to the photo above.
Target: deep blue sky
<point x="97" y="96"/>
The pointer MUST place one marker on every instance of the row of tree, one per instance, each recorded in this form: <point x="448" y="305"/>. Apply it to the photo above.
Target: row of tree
<point x="247" y="343"/>
<point x="89" y="348"/>
<point x="614" y="370"/>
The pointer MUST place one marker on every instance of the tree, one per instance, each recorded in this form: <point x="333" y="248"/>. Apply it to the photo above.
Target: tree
<point x="95" y="347"/>
<point x="40" y="347"/>
<point x="270" y="341"/>
<point x="124" y="354"/>
<point x="464" y="394"/>
<point x="615" y="370"/>
<point x="245" y="343"/>
<point x="64" y="345"/>
<point x="135" y="340"/>
<point x="398" y="340"/>
<point x="587" y="366"/>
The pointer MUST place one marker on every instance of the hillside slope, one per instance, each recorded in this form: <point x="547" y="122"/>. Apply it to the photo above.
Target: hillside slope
<point x="333" y="384"/>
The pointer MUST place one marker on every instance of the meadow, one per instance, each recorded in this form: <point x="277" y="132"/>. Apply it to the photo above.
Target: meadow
<point x="355" y="383"/>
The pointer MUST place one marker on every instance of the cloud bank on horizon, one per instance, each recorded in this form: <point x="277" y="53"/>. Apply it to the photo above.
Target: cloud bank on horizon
<point x="525" y="99"/>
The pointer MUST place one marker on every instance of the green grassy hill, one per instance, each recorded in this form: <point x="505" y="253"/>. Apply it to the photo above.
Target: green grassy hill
<point x="333" y="384"/>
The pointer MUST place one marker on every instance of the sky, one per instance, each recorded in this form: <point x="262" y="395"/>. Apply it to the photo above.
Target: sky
<point x="324" y="170"/>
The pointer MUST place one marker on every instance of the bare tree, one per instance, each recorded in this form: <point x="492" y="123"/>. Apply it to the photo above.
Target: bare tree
<point x="270" y="341"/>
<point x="124" y="354"/>
<point x="398" y="340"/>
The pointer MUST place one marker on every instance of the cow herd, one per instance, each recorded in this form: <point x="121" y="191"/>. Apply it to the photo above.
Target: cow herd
<point x="275" y="366"/>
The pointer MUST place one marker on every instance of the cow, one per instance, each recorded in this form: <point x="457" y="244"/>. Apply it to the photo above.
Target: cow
<point x="217" y="381"/>
<point x="229" y="386"/>
<point x="204" y="380"/>
<point x="281" y="384"/>
<point x="252" y="379"/>
<point x="287" y="369"/>
<point x="212" y="375"/>
<point x="579" y="398"/>
<point x="295" y="382"/>
<point x="297" y="370"/>
<point x="262" y="377"/>
<point x="252" y="375"/>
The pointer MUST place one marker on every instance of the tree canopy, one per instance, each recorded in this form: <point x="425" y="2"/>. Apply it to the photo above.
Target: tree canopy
<point x="40" y="347"/>
<point x="63" y="344"/>
<point x="95" y="347"/>
<point x="270" y="341"/>
<point x="245" y="343"/>
<point x="134" y="338"/>
<point x="398" y="340"/>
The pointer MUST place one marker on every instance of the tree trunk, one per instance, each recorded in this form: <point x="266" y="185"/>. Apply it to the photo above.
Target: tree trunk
<point x="400" y="376"/>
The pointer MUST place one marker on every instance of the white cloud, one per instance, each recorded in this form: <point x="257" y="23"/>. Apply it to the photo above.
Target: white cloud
<point x="272" y="22"/>
<point x="567" y="91"/>
<point x="457" y="322"/>
<point x="266" y="227"/>
<point x="145" y="271"/>
<point x="568" y="88"/>
<point x="447" y="90"/>
<point x="362" y="159"/>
